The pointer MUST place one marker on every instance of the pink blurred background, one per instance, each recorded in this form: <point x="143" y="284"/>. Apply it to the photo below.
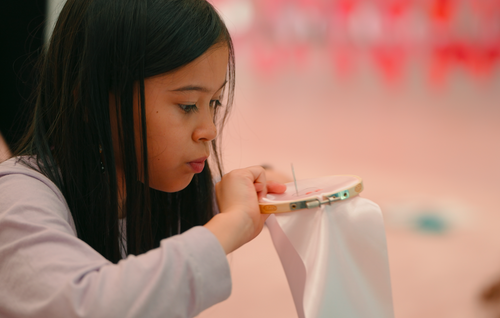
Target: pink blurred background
<point x="405" y="94"/>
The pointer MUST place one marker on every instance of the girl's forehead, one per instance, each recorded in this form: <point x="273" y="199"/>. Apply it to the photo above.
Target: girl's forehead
<point x="206" y="73"/>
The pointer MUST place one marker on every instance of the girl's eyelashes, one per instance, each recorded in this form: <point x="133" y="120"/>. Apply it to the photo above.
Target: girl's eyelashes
<point x="215" y="103"/>
<point x="188" y="108"/>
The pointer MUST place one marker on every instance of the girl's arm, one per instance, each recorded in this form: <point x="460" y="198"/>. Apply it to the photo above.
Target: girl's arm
<point x="46" y="271"/>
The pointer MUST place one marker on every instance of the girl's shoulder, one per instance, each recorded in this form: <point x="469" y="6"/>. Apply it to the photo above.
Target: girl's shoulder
<point x="17" y="164"/>
<point x="24" y="189"/>
<point x="24" y="168"/>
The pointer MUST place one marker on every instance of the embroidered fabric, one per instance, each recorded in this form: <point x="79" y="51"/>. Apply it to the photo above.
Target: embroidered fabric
<point x="335" y="259"/>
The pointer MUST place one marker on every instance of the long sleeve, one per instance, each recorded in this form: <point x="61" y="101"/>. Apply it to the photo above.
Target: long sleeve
<point x="46" y="271"/>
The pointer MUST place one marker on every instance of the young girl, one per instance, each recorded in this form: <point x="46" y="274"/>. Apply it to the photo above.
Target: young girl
<point x="113" y="169"/>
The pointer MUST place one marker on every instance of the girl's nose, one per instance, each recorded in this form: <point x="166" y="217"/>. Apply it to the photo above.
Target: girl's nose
<point x="206" y="129"/>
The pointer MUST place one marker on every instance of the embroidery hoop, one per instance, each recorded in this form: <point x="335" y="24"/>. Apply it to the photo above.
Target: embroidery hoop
<point x="315" y="193"/>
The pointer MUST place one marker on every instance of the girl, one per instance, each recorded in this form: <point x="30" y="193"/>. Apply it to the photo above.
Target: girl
<point x="113" y="169"/>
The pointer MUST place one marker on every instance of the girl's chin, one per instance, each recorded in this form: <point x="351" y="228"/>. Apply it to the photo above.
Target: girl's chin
<point x="172" y="187"/>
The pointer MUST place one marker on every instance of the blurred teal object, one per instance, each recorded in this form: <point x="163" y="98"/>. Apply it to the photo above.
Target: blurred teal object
<point x="430" y="223"/>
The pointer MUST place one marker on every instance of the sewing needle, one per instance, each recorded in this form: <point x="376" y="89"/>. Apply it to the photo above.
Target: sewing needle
<point x="295" y="181"/>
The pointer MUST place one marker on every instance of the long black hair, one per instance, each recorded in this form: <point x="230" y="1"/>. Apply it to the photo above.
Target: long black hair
<point x="104" y="46"/>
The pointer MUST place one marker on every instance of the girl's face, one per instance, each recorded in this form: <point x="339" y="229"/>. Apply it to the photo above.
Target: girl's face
<point x="180" y="119"/>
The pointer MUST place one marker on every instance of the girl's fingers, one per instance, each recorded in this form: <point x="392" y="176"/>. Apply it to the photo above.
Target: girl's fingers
<point x="275" y="187"/>
<point x="271" y="187"/>
<point x="259" y="180"/>
<point x="259" y="174"/>
<point x="258" y="187"/>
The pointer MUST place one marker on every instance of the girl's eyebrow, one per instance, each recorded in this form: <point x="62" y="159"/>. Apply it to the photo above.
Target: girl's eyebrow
<point x="196" y="88"/>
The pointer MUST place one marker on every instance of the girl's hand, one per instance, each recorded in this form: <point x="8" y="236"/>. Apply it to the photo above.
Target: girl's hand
<point x="238" y="195"/>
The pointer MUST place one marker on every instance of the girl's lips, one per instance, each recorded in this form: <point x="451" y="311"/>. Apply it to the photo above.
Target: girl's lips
<point x="198" y="165"/>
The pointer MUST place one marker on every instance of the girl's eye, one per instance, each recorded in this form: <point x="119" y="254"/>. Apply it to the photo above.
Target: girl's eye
<point x="188" y="108"/>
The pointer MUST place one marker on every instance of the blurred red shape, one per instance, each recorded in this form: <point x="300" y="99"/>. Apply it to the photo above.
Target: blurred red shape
<point x="441" y="11"/>
<point x="345" y="7"/>
<point x="390" y="60"/>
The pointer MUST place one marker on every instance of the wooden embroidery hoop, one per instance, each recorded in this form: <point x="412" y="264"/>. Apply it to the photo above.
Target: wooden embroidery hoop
<point x="315" y="193"/>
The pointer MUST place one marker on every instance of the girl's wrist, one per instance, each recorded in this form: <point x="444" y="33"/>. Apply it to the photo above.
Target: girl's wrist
<point x="231" y="229"/>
